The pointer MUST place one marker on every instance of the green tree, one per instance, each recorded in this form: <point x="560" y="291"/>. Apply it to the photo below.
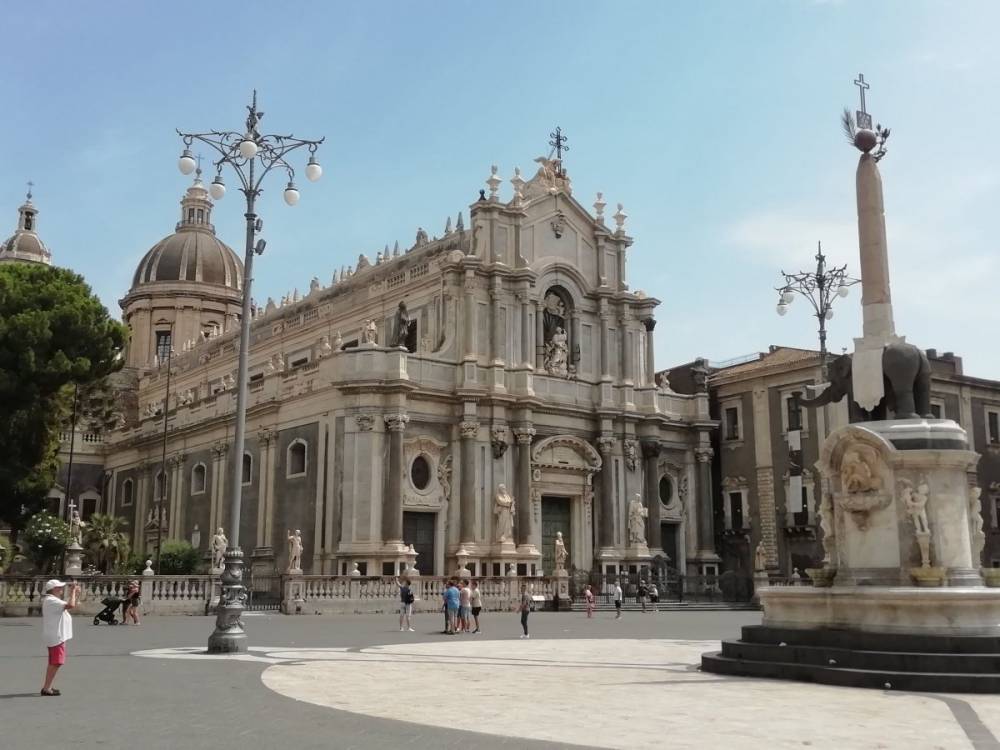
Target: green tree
<point x="178" y="558"/>
<point x="106" y="541"/>
<point x="45" y="539"/>
<point x="54" y="332"/>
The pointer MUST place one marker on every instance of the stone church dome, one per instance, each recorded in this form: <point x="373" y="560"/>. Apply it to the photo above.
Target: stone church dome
<point x="25" y="245"/>
<point x="193" y="252"/>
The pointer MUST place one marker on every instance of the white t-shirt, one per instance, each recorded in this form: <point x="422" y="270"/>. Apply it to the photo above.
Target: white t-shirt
<point x="618" y="593"/>
<point x="476" y="598"/>
<point x="57" y="625"/>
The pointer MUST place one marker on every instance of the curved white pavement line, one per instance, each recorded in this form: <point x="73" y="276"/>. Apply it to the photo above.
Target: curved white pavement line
<point x="616" y="693"/>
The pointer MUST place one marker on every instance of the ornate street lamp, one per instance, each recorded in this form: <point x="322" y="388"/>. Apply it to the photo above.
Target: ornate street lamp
<point x="251" y="156"/>
<point x="821" y="287"/>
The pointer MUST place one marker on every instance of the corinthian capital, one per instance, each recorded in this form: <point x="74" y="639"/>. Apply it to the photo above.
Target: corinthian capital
<point x="606" y="444"/>
<point x="468" y="430"/>
<point x="396" y="422"/>
<point x="704" y="454"/>
<point x="523" y="434"/>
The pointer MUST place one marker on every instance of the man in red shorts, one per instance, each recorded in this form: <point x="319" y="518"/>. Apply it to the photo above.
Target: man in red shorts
<point x="57" y="627"/>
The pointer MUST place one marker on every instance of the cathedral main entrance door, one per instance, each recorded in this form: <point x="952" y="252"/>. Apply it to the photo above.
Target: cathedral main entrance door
<point x="418" y="530"/>
<point x="555" y="517"/>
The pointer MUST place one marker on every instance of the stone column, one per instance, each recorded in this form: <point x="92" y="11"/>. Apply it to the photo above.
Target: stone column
<point x="525" y="330"/>
<point x="264" y="478"/>
<point x="499" y="344"/>
<point x="605" y="345"/>
<point x="392" y="497"/>
<point x="651" y="455"/>
<point x="575" y="350"/>
<point x="467" y="488"/>
<point x="606" y="537"/>
<point x="650" y="324"/>
<point x="523" y="434"/>
<point x="706" y="515"/>
<point x="628" y="371"/>
<point x="469" y="306"/>
<point x="539" y="336"/>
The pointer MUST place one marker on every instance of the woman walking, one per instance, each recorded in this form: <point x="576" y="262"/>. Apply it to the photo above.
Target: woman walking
<point x="476" y="601"/>
<point x="589" y="596"/>
<point x="525" y="609"/>
<point x="131" y="604"/>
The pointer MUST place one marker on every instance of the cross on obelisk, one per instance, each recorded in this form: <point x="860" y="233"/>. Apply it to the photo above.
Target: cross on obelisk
<point x="864" y="119"/>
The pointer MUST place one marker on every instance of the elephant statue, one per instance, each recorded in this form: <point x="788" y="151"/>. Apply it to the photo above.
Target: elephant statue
<point x="906" y="374"/>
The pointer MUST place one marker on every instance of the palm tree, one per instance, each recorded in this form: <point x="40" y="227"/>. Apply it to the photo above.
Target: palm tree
<point x="106" y="540"/>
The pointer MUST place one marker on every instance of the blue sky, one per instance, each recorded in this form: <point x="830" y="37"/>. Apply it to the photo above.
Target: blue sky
<point x="715" y="123"/>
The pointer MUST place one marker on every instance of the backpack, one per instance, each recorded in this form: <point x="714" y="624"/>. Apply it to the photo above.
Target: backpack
<point x="408" y="596"/>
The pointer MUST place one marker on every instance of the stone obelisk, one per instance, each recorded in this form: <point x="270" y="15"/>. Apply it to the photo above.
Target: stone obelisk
<point x="876" y="299"/>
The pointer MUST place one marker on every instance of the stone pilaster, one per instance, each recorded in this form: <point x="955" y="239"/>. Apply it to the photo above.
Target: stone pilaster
<point x="649" y="324"/>
<point x="651" y="456"/>
<point x="606" y="533"/>
<point x="522" y="299"/>
<point x="392" y="497"/>
<point x="706" y="515"/>
<point x="467" y="490"/>
<point x="216" y="513"/>
<point x="523" y="434"/>
<point x="539" y="336"/>
<point x="265" y="474"/>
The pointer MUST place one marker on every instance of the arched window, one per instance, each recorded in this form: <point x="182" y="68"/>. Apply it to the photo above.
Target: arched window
<point x="247" y="468"/>
<point x="296" y="465"/>
<point x="128" y="492"/>
<point x="198" y="479"/>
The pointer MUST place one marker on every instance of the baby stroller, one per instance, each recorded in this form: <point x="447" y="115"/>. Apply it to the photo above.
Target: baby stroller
<point x="111" y="605"/>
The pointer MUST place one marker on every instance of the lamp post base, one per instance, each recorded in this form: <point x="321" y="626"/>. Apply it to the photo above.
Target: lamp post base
<point x="229" y="636"/>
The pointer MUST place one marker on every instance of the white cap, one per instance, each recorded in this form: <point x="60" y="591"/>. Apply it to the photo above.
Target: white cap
<point x="53" y="583"/>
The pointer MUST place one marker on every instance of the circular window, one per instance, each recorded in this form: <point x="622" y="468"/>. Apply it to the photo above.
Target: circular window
<point x="666" y="490"/>
<point x="420" y="473"/>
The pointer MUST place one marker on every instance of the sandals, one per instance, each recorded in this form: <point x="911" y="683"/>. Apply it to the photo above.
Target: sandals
<point x="50" y="692"/>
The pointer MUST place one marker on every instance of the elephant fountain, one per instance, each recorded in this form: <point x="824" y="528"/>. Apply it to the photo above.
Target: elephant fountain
<point x="906" y="374"/>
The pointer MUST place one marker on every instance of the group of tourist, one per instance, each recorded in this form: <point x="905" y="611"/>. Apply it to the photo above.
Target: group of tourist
<point x="462" y="605"/>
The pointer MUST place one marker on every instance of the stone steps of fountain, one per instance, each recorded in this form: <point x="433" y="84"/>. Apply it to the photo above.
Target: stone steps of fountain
<point x="920" y="662"/>
<point x="879" y="661"/>
<point x="858" y="640"/>
<point x="847" y="677"/>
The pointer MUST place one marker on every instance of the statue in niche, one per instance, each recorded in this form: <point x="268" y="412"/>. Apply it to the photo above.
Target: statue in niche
<point x="553" y="316"/>
<point x="976" y="524"/>
<point x="369" y="334"/>
<point x="915" y="502"/>
<point x="503" y="509"/>
<point x="402" y="326"/>
<point x="294" y="551"/>
<point x="858" y="470"/>
<point x="637" y="521"/>
<point x="556" y="354"/>
<point x="637" y="514"/>
<point x="219" y="544"/>
<point x="561" y="554"/>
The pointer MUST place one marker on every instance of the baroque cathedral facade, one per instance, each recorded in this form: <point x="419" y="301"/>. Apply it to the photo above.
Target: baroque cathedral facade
<point x="472" y="396"/>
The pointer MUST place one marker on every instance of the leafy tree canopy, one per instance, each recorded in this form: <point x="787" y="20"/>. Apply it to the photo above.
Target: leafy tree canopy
<point x="54" y="332"/>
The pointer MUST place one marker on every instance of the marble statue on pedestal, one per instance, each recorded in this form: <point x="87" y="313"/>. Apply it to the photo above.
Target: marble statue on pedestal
<point x="637" y="514"/>
<point x="503" y="509"/>
<point x="561" y="554"/>
<point x="369" y="334"/>
<point x="219" y="545"/>
<point x="760" y="557"/>
<point x="76" y="527"/>
<point x="294" y="552"/>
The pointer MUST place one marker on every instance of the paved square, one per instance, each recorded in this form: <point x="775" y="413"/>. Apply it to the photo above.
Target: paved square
<point x="355" y="681"/>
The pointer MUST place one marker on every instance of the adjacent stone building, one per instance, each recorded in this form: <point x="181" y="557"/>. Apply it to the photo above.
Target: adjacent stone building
<point x="405" y="402"/>
<point x="751" y="398"/>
